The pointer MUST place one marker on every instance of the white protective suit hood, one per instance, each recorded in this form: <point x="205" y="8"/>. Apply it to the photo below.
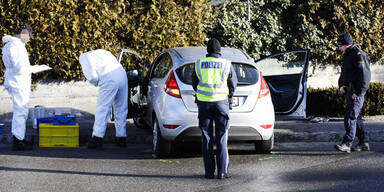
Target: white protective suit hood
<point x="97" y="63"/>
<point x="16" y="62"/>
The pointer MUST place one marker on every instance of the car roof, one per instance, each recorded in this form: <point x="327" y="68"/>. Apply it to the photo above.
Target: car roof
<point x="183" y="55"/>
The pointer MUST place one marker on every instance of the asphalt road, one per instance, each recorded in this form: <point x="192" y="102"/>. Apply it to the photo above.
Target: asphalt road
<point x="291" y="167"/>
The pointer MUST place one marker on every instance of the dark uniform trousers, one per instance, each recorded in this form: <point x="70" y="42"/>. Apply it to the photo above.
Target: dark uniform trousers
<point x="217" y="113"/>
<point x="353" y="122"/>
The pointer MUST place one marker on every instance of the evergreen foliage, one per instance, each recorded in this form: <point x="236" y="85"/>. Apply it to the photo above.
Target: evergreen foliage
<point x="65" y="29"/>
<point x="330" y="102"/>
<point x="280" y="25"/>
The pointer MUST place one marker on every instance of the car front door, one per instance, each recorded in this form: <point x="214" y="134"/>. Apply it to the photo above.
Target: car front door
<point x="286" y="75"/>
<point x="134" y="65"/>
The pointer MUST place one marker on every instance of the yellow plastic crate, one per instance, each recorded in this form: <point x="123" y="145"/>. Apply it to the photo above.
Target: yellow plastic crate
<point x="58" y="135"/>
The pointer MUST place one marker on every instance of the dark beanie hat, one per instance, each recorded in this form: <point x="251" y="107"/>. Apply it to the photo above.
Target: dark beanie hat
<point x="213" y="46"/>
<point x="344" y="39"/>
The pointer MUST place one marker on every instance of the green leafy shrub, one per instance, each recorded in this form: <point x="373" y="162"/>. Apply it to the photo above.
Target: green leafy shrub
<point x="330" y="102"/>
<point x="261" y="36"/>
<point x="280" y="25"/>
<point x="65" y="29"/>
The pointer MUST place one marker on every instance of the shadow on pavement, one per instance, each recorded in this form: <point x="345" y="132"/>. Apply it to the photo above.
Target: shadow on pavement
<point x="110" y="151"/>
<point x="181" y="150"/>
<point x="96" y="173"/>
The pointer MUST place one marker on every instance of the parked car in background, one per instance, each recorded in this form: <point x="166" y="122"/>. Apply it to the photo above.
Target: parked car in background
<point x="161" y="95"/>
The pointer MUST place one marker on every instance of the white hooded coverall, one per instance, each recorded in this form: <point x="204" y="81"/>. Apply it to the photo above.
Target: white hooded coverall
<point x="17" y="81"/>
<point x="102" y="69"/>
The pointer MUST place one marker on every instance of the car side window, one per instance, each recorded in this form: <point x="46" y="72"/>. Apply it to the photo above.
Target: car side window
<point x="162" y="66"/>
<point x="283" y="64"/>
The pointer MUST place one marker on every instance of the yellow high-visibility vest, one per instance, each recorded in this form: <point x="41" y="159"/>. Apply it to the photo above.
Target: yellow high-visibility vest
<point x="213" y="75"/>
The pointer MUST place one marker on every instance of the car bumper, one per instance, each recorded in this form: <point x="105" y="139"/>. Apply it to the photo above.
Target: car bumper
<point x="243" y="126"/>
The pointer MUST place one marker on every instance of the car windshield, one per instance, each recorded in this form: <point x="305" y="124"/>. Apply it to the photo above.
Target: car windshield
<point x="246" y="74"/>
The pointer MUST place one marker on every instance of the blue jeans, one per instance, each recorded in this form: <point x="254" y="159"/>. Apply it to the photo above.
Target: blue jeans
<point x="353" y="122"/>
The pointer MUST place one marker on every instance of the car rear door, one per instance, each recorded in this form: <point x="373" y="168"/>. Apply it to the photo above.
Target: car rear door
<point x="156" y="78"/>
<point x="134" y="65"/>
<point x="286" y="75"/>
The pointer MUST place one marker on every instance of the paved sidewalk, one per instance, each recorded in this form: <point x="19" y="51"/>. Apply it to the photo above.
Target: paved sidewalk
<point x="331" y="130"/>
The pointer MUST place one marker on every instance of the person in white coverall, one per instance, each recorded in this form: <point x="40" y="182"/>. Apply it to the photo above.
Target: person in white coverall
<point x="17" y="81"/>
<point x="102" y="69"/>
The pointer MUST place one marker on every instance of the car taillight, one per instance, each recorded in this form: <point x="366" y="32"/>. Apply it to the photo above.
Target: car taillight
<point x="264" y="89"/>
<point x="170" y="126"/>
<point x="171" y="86"/>
<point x="266" y="126"/>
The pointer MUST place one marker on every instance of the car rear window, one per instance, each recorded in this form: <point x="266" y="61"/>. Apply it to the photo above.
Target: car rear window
<point x="246" y="74"/>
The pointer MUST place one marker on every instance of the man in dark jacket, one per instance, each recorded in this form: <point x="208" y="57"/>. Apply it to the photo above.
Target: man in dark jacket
<point x="214" y="81"/>
<point x="354" y="82"/>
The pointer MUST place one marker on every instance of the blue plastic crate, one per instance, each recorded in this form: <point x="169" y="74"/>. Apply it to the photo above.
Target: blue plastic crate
<point x="1" y="128"/>
<point x="64" y="120"/>
<point x="44" y="120"/>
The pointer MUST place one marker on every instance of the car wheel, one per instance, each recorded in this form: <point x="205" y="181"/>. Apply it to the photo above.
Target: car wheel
<point x="264" y="146"/>
<point x="161" y="147"/>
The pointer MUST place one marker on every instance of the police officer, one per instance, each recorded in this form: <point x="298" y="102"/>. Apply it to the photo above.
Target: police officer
<point x="214" y="81"/>
<point x="354" y="82"/>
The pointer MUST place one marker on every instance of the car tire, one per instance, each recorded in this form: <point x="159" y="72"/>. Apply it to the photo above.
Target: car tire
<point x="161" y="147"/>
<point x="264" y="146"/>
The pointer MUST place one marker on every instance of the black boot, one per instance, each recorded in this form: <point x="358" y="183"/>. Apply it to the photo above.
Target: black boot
<point x="95" y="143"/>
<point x="121" y="142"/>
<point x="20" y="145"/>
<point x="224" y="176"/>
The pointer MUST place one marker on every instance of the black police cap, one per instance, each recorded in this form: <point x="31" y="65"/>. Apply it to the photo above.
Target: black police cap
<point x="344" y="39"/>
<point x="213" y="46"/>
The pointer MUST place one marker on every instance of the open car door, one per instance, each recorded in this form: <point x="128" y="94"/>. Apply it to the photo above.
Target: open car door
<point x="286" y="75"/>
<point x="134" y="65"/>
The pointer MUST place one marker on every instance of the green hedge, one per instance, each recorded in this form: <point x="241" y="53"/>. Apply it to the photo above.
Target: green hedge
<point x="65" y="29"/>
<point x="280" y="25"/>
<point x="330" y="102"/>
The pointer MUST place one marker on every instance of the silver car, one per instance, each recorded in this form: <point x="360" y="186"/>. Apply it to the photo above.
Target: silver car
<point x="164" y="99"/>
